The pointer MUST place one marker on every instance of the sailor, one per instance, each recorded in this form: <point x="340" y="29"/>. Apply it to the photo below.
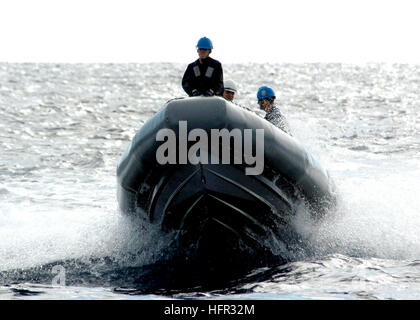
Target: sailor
<point x="205" y="75"/>
<point x="266" y="98"/>
<point x="229" y="90"/>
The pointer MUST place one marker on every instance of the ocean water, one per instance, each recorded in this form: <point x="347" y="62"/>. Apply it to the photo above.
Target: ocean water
<point x="63" y="128"/>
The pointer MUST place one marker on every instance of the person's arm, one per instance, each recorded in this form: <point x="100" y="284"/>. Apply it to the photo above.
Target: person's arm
<point x="279" y="120"/>
<point x="284" y="125"/>
<point x="187" y="81"/>
<point x="218" y="81"/>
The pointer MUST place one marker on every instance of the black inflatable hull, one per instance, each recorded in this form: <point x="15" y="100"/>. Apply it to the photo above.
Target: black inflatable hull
<point x="217" y="213"/>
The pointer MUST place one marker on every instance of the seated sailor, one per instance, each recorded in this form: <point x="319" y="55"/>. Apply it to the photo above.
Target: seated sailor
<point x="266" y="98"/>
<point x="229" y="90"/>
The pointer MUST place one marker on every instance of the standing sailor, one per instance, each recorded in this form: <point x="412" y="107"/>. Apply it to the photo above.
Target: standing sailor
<point x="266" y="98"/>
<point x="205" y="75"/>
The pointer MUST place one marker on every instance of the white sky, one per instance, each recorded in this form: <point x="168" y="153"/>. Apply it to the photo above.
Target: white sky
<point x="242" y="31"/>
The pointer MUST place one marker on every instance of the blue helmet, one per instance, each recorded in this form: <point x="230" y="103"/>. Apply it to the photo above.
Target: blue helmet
<point x="204" y="43"/>
<point x="265" y="92"/>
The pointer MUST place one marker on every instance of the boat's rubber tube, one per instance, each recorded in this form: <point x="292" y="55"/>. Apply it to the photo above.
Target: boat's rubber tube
<point x="283" y="154"/>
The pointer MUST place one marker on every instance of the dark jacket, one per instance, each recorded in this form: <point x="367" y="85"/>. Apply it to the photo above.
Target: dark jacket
<point x="277" y="118"/>
<point x="203" y="76"/>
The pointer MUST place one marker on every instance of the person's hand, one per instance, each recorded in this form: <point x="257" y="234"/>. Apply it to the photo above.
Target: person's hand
<point x="209" y="93"/>
<point x="195" y="93"/>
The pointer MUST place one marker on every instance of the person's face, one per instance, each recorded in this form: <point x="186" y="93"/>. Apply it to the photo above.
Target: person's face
<point x="228" y="95"/>
<point x="203" y="53"/>
<point x="264" y="104"/>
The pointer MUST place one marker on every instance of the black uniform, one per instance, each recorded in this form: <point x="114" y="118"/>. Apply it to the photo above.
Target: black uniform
<point x="203" y="77"/>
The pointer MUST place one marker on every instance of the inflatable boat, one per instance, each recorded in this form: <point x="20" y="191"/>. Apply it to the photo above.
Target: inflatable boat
<point x="224" y="181"/>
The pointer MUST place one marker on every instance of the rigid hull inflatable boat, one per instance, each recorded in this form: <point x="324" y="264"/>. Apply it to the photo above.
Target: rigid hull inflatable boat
<point x="220" y="211"/>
